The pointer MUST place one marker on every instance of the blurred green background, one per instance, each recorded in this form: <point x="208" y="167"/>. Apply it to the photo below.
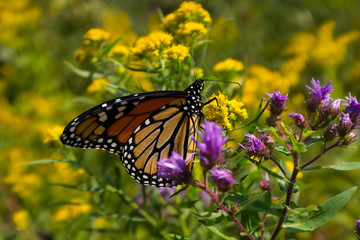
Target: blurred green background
<point x="281" y="43"/>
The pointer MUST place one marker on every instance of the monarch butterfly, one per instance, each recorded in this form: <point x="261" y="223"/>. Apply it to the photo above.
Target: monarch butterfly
<point x="141" y="128"/>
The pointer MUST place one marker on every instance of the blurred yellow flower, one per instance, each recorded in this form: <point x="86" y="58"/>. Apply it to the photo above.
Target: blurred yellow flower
<point x="97" y="85"/>
<point x="85" y="54"/>
<point x="176" y="52"/>
<point x="101" y="223"/>
<point x="70" y="211"/>
<point x="95" y="35"/>
<point x="151" y="46"/>
<point x="223" y="111"/>
<point x="52" y="134"/>
<point x="228" y="65"/>
<point x="119" y="51"/>
<point x="290" y="166"/>
<point x="321" y="47"/>
<point x="199" y="73"/>
<point x="21" y="219"/>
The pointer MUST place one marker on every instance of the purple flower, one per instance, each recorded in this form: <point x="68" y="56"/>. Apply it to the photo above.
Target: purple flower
<point x="318" y="94"/>
<point x="211" y="152"/>
<point x="277" y="102"/>
<point x="353" y="108"/>
<point x="357" y="230"/>
<point x="255" y="146"/>
<point x="223" y="179"/>
<point x="345" y="125"/>
<point x="299" y="119"/>
<point x="175" y="168"/>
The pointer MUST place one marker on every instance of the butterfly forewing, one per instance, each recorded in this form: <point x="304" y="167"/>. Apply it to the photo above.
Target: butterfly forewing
<point x="141" y="128"/>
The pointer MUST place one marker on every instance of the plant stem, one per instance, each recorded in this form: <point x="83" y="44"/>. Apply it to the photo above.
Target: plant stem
<point x="262" y="226"/>
<point x="288" y="196"/>
<point x="280" y="167"/>
<point x="318" y="156"/>
<point x="216" y="198"/>
<point x="283" y="137"/>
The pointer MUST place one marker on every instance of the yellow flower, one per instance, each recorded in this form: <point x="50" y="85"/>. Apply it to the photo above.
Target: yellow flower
<point x="85" y="54"/>
<point x="321" y="47"/>
<point x="289" y="168"/>
<point x="97" y="85"/>
<point x="101" y="223"/>
<point x="191" y="29"/>
<point x="119" y="51"/>
<point x="228" y="65"/>
<point x="71" y="211"/>
<point x="223" y="111"/>
<point x="21" y="219"/>
<point x="95" y="35"/>
<point x="176" y="52"/>
<point x="187" y="22"/>
<point x="151" y="46"/>
<point x="199" y="73"/>
<point x="52" y="134"/>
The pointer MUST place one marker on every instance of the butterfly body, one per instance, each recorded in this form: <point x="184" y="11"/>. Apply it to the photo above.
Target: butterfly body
<point x="141" y="129"/>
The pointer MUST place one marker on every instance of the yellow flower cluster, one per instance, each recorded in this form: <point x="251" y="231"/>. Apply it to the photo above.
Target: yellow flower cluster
<point x="223" y="111"/>
<point x="71" y="211"/>
<point x="321" y="47"/>
<point x="95" y="35"/>
<point x="151" y="46"/>
<point x="188" y="22"/>
<point x="228" y="65"/>
<point x="119" y="51"/>
<point x="176" y="52"/>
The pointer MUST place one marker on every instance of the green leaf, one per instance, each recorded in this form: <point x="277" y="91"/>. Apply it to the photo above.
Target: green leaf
<point x="312" y="220"/>
<point x="254" y="206"/>
<point x="216" y="231"/>
<point x="88" y="189"/>
<point x="313" y="140"/>
<point x="210" y="215"/>
<point x="46" y="161"/>
<point x="278" y="138"/>
<point x="177" y="237"/>
<point x="82" y="72"/>
<point x="343" y="166"/>
<point x="117" y="216"/>
<point x="296" y="145"/>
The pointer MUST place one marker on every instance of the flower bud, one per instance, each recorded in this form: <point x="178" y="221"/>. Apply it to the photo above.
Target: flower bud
<point x="330" y="132"/>
<point x="299" y="119"/>
<point x="268" y="141"/>
<point x="345" y="125"/>
<point x="349" y="139"/>
<point x="223" y="179"/>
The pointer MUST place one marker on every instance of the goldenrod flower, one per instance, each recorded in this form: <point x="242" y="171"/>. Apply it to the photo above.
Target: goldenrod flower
<point x="176" y="52"/>
<point x="119" y="51"/>
<point x="97" y="85"/>
<point x="71" y="211"/>
<point x="52" y="133"/>
<point x="85" y="54"/>
<point x="188" y="22"/>
<point x="192" y="29"/>
<point x="228" y="65"/>
<point x="151" y="46"/>
<point x="21" y="219"/>
<point x="223" y="111"/>
<point x="95" y="35"/>
<point x="322" y="47"/>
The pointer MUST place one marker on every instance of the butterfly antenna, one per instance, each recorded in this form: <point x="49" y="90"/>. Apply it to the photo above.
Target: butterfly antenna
<point x="214" y="80"/>
<point x="193" y="64"/>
